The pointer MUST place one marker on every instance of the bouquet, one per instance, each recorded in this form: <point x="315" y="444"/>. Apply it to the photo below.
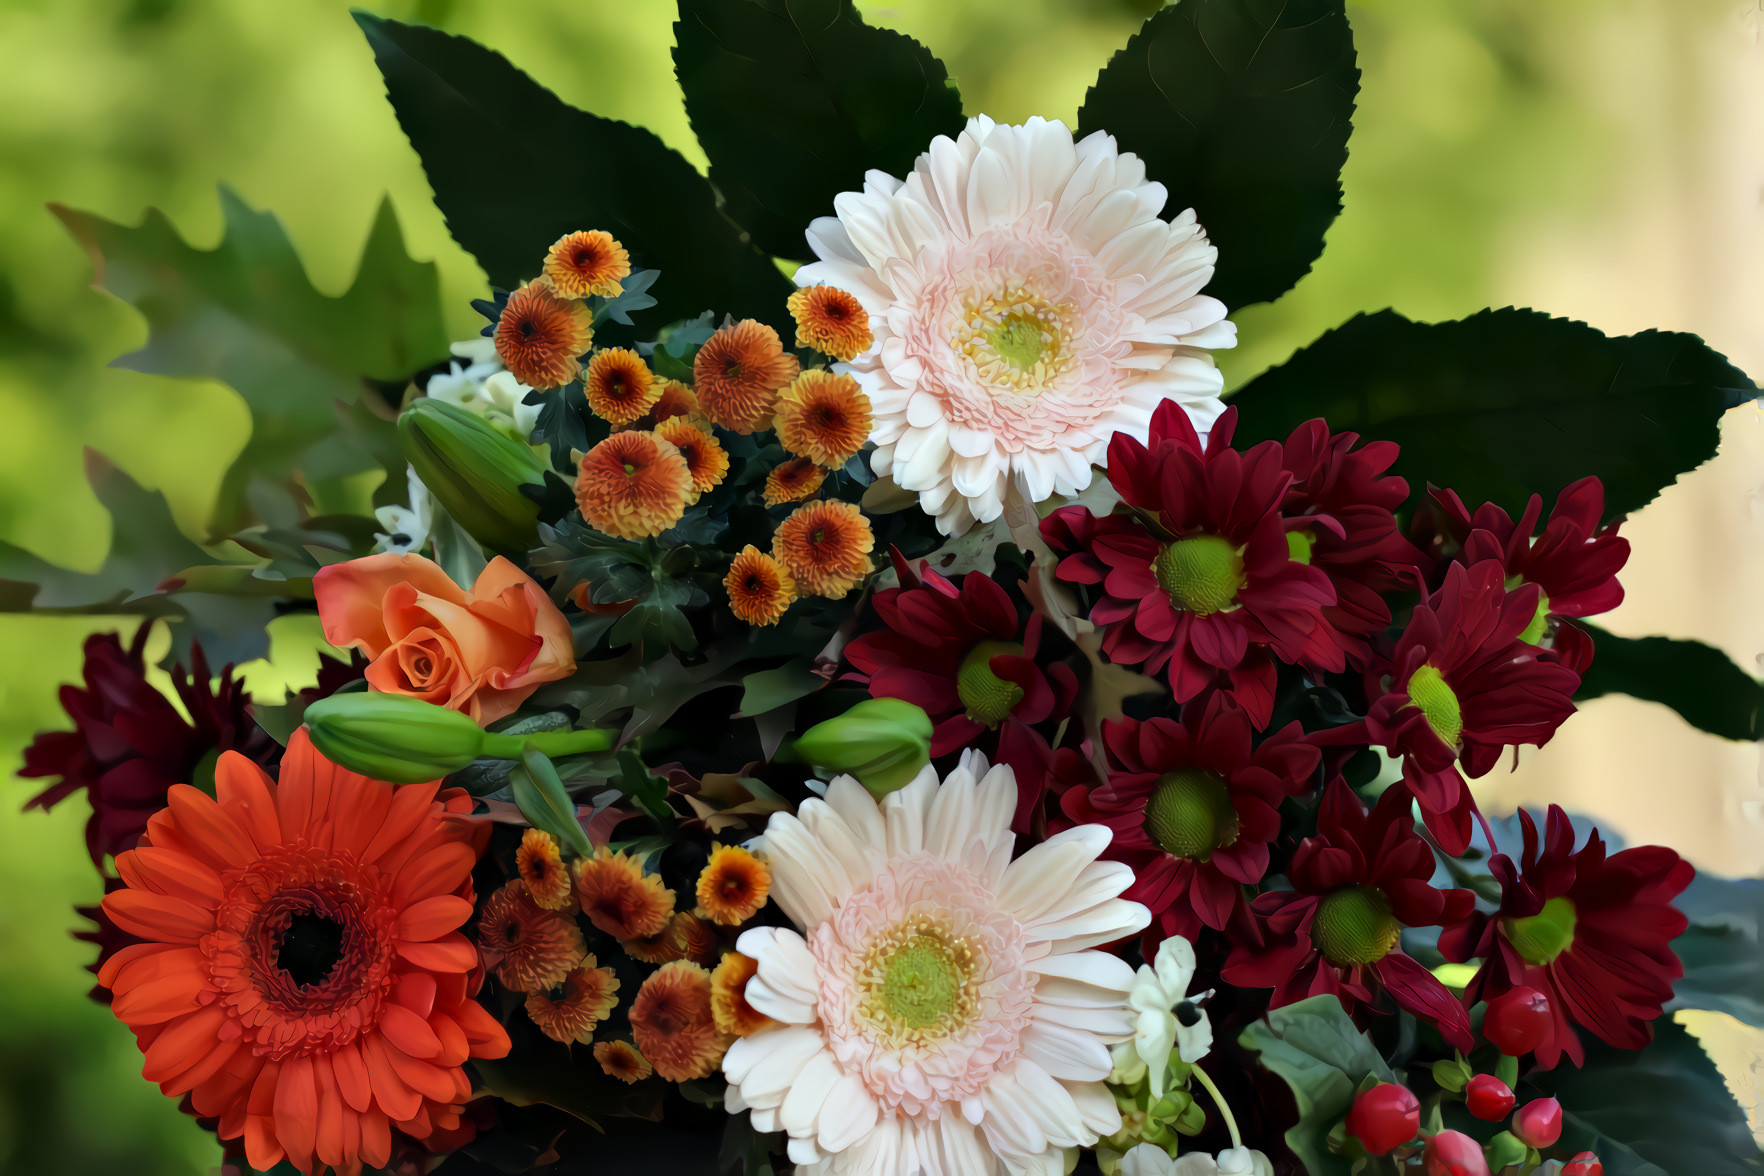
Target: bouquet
<point x="903" y="717"/>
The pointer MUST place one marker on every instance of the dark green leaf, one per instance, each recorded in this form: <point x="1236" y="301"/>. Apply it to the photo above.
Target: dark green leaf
<point x="539" y="1071"/>
<point x="543" y="800"/>
<point x="246" y="314"/>
<point x="766" y="690"/>
<point x="1316" y="1048"/>
<point x="1506" y="403"/>
<point x="633" y="296"/>
<point x="514" y="168"/>
<point x="1722" y="948"/>
<point x="1242" y="109"/>
<point x="650" y="793"/>
<point x="793" y="100"/>
<point x="1698" y="681"/>
<point x="618" y="571"/>
<point x="1657" y="1110"/>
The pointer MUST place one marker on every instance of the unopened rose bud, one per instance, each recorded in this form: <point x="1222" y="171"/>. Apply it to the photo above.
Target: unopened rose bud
<point x="474" y="472"/>
<point x="884" y="742"/>
<point x="404" y="740"/>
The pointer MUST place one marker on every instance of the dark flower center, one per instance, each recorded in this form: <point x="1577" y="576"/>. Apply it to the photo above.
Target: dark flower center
<point x="1189" y="814"/>
<point x="310" y="948"/>
<point x="1354" y="926"/>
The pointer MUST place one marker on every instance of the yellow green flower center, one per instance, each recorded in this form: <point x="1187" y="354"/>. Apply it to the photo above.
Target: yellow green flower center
<point x="1354" y="926"/>
<point x="918" y="983"/>
<point x="988" y="697"/>
<point x="1202" y="575"/>
<point x="1540" y="938"/>
<point x="1189" y="814"/>
<point x="1017" y="340"/>
<point x="1540" y="624"/>
<point x="1299" y="544"/>
<point x="1433" y="695"/>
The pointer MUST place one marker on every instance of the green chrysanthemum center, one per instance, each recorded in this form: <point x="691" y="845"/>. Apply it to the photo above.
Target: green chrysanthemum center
<point x="1018" y="341"/>
<point x="1299" y="544"/>
<point x="1189" y="814"/>
<point x="988" y="697"/>
<point x="918" y="983"/>
<point x="1354" y="926"/>
<point x="1540" y="938"/>
<point x="1433" y="695"/>
<point x="1202" y="575"/>
<point x="1540" y="624"/>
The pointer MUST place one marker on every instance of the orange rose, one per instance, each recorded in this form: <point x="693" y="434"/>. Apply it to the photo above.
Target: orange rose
<point x="481" y="652"/>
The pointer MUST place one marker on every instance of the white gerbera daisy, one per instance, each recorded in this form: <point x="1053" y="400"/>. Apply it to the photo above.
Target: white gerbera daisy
<point x="941" y="1014"/>
<point x="1027" y="303"/>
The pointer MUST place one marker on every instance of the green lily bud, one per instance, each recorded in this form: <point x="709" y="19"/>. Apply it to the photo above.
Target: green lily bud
<point x="404" y="740"/>
<point x="474" y="472"/>
<point x="884" y="742"/>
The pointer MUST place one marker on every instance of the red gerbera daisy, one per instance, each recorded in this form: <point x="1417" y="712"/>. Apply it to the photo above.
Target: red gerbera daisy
<point x="1192" y="809"/>
<point x="1204" y="574"/>
<point x="304" y="978"/>
<point x="1355" y="885"/>
<point x="1592" y="933"/>
<point x="1462" y="688"/>
<point x="1575" y="561"/>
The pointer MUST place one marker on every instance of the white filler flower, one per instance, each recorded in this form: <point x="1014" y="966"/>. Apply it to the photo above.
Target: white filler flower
<point x="942" y="1013"/>
<point x="1027" y="303"/>
<point x="1147" y="1160"/>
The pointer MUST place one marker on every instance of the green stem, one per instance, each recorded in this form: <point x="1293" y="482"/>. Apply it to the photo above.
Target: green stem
<point x="548" y="743"/>
<point x="1219" y="1101"/>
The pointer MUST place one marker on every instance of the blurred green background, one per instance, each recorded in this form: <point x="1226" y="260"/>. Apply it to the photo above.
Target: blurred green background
<point x="1594" y="157"/>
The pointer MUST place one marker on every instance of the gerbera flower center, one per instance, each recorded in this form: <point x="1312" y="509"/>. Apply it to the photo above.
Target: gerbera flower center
<point x="919" y="983"/>
<point x="1540" y="624"/>
<point x="1017" y="340"/>
<point x="988" y="697"/>
<point x="1540" y="938"/>
<point x="1190" y="814"/>
<point x="1299" y="544"/>
<point x="310" y="947"/>
<point x="1433" y="695"/>
<point x="1354" y="926"/>
<point x="1202" y="575"/>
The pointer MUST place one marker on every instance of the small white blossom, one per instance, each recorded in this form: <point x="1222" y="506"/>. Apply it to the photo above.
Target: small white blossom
<point x="1150" y="1160"/>
<point x="407" y="527"/>
<point x="1168" y="1018"/>
<point x="482" y="386"/>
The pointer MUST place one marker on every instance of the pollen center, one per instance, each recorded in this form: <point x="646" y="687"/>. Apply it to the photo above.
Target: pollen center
<point x="1540" y="624"/>
<point x="1540" y="938"/>
<point x="1202" y="575"/>
<point x="919" y="983"/>
<point x="1433" y="695"/>
<point x="988" y="697"/>
<point x="1190" y="815"/>
<point x="1355" y="926"/>
<point x="1018" y="341"/>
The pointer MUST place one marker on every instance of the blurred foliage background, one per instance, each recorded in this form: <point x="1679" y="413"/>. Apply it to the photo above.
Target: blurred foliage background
<point x="1602" y="159"/>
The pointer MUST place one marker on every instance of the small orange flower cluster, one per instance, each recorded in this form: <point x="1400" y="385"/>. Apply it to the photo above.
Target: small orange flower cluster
<point x="545" y="328"/>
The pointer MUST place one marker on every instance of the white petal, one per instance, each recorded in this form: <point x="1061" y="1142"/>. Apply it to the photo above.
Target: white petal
<point x="1065" y="1052"/>
<point x="1147" y="1160"/>
<point x="849" y="1114"/>
<point x="1035" y="882"/>
<point x="785" y="988"/>
<point x="765" y="1064"/>
<point x="903" y="811"/>
<point x="802" y="1106"/>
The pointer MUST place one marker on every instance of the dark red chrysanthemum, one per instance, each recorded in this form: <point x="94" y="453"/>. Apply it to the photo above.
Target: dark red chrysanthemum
<point x="1202" y="582"/>
<point x="1592" y="933"/>
<point x="1575" y="561"/>
<point x="963" y="656"/>
<point x="1355" y="886"/>
<point x="1192" y="810"/>
<point x="1462" y="688"/>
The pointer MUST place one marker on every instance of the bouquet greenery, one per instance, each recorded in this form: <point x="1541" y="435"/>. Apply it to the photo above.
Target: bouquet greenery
<point x="902" y="717"/>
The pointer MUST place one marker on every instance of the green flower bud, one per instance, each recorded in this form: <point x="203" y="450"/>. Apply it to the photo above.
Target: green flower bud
<point x="404" y="740"/>
<point x="884" y="742"/>
<point x="474" y="472"/>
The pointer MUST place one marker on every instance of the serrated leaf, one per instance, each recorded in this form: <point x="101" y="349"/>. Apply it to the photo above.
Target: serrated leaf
<point x="1698" y="681"/>
<point x="794" y="100"/>
<point x="475" y="120"/>
<point x="1506" y="403"/>
<point x="618" y="572"/>
<point x="1722" y="948"/>
<point x="1242" y="109"/>
<point x="246" y="314"/>
<point x="1319" y="1052"/>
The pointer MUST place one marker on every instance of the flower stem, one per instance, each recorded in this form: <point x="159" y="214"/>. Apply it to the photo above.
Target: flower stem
<point x="1219" y="1101"/>
<point x="551" y="743"/>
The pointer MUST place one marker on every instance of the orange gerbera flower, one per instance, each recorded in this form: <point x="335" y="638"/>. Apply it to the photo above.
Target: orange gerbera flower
<point x="589" y="994"/>
<point x="619" y="385"/>
<point x="737" y="374"/>
<point x="830" y="321"/>
<point x="673" y="1023"/>
<point x="825" y="546"/>
<point x="589" y="262"/>
<point x="793" y="481"/>
<point x="619" y="898"/>
<point x="733" y="885"/>
<point x="633" y="485"/>
<point x="528" y="947"/>
<point x="542" y="868"/>
<point x="706" y="460"/>
<point x="302" y="975"/>
<point x="824" y="417"/>
<point x="759" y="588"/>
<point x="621" y="1060"/>
<point x="540" y="336"/>
<point x="729" y="1006"/>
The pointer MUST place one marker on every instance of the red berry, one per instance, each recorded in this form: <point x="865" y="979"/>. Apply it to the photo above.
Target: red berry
<point x="1452" y="1153"/>
<point x="1488" y="1097"/>
<point x="1384" y="1117"/>
<point x="1539" y="1122"/>
<point x="1583" y="1164"/>
<point x="1517" y="1021"/>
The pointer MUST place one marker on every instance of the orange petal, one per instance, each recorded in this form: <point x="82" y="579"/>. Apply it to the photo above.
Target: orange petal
<point x="181" y="1044"/>
<point x="455" y="953"/>
<point x="354" y="826"/>
<point x="160" y="999"/>
<point x="112" y="967"/>
<point x="407" y="1031"/>
<point x="427" y="1080"/>
<point x="376" y="1139"/>
<point x="352" y="1076"/>
<point x="485" y="1033"/>
<point x="395" y="1098"/>
<point x="455" y="1049"/>
<point x="262" y="1151"/>
<point x="411" y="804"/>
<point x="202" y="1071"/>
<point x="416" y="992"/>
<point x="164" y="961"/>
<point x="297" y="1108"/>
<point x="348" y="595"/>
<point x="223" y="1093"/>
<point x="169" y="871"/>
<point x="158" y="916"/>
<point x="433" y="917"/>
<point x="439" y="871"/>
<point x="330" y="1137"/>
<point x="208" y="829"/>
<point x="262" y="1099"/>
<point x="246" y="791"/>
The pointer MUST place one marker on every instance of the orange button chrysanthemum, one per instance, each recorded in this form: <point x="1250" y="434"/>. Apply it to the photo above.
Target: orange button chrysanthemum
<point x="304" y="978"/>
<point x="759" y="588"/>
<point x="793" y="481"/>
<point x="540" y="337"/>
<point x="619" y="386"/>
<point x="824" y="417"/>
<point x="737" y="374"/>
<point x="673" y="1023"/>
<point x="734" y="1016"/>
<point x="633" y="485"/>
<point x="733" y="885"/>
<point x="588" y="262"/>
<point x="706" y="460"/>
<point x="831" y="321"/>
<point x="621" y="1060"/>
<point x="825" y="546"/>
<point x="672" y="399"/>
